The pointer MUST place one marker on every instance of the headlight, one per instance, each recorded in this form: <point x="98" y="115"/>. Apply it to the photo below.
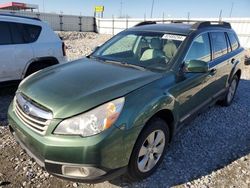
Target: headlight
<point x="92" y="122"/>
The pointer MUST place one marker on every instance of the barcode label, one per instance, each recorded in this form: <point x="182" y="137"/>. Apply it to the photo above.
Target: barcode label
<point x="173" y="37"/>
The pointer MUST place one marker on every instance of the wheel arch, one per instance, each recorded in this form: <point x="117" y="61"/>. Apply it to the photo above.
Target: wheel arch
<point x="46" y="61"/>
<point x="235" y="71"/>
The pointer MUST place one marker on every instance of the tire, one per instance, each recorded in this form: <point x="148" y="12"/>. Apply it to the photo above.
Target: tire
<point x="34" y="68"/>
<point x="146" y="157"/>
<point x="227" y="101"/>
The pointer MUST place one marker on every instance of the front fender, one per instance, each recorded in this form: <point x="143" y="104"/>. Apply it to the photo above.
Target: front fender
<point x="138" y="109"/>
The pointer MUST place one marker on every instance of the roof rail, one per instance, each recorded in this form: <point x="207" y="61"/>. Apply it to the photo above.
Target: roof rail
<point x="145" y="23"/>
<point x="17" y="16"/>
<point x="203" y="24"/>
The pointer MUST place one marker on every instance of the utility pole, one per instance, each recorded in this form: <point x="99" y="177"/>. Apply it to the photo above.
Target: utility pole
<point x="220" y="17"/>
<point x="121" y="9"/>
<point x="231" y="11"/>
<point x="43" y="6"/>
<point x="152" y="8"/>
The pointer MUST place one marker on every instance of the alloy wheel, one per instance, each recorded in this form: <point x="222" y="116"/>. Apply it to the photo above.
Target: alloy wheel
<point x="151" y="151"/>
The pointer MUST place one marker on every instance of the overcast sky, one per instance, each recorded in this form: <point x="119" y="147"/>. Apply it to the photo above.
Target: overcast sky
<point x="139" y="8"/>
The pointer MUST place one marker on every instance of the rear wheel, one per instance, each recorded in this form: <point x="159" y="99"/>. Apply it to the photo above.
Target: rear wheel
<point x="227" y="101"/>
<point x="149" y="149"/>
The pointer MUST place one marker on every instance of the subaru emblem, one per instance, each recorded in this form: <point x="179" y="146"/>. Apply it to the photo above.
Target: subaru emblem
<point x="26" y="109"/>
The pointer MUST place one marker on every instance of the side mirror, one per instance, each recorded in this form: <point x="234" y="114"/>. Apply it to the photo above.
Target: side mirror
<point x="247" y="61"/>
<point x="197" y="66"/>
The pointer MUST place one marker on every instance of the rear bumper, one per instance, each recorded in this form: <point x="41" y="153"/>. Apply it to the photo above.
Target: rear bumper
<point x="63" y="59"/>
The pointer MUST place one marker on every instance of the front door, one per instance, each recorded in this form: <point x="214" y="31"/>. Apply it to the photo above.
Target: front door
<point x="193" y="91"/>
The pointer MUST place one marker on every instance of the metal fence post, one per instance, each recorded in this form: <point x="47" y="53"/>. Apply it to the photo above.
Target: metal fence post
<point x="99" y="25"/>
<point x="113" y="25"/>
<point x="127" y="22"/>
<point x="61" y="22"/>
<point x="38" y="15"/>
<point x="80" y="23"/>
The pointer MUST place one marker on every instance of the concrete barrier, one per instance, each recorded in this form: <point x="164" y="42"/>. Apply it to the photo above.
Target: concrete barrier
<point x="116" y="25"/>
<point x="60" y="22"/>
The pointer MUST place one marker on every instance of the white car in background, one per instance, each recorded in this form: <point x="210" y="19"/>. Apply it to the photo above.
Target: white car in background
<point x="26" y="46"/>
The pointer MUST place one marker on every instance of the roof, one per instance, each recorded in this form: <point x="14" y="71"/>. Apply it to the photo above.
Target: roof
<point x="177" y="28"/>
<point x="11" y="16"/>
<point x="181" y="28"/>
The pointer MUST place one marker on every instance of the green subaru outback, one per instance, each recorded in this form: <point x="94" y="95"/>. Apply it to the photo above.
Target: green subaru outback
<point x="116" y="111"/>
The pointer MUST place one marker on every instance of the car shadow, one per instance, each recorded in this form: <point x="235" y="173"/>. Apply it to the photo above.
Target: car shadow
<point x="6" y="95"/>
<point x="210" y="142"/>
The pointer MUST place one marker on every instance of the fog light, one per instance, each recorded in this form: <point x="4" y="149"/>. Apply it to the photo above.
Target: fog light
<point x="78" y="171"/>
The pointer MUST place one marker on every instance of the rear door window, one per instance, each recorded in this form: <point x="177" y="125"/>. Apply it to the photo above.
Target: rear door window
<point x="234" y="42"/>
<point x="33" y="32"/>
<point x="5" y="36"/>
<point x="17" y="33"/>
<point x="24" y="33"/>
<point x="219" y="44"/>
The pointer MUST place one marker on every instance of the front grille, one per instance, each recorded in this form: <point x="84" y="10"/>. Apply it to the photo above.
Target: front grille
<point x="31" y="114"/>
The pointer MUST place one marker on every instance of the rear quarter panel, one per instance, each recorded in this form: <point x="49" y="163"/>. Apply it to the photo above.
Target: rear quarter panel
<point x="48" y="44"/>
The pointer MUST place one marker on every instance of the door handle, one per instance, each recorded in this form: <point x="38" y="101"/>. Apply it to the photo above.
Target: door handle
<point x="213" y="71"/>
<point x="233" y="61"/>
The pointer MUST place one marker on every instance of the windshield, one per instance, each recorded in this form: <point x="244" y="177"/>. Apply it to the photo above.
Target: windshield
<point x="149" y="50"/>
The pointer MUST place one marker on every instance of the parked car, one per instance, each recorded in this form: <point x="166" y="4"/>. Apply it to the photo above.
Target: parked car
<point x="117" y="110"/>
<point x="26" y="46"/>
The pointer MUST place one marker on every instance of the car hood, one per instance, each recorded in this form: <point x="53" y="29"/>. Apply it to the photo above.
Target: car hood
<point x="76" y="87"/>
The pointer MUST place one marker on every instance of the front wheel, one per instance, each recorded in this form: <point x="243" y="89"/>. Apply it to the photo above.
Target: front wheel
<point x="149" y="149"/>
<point x="227" y="101"/>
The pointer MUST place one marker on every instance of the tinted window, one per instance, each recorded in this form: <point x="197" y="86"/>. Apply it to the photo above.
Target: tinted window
<point x="200" y="49"/>
<point x="24" y="33"/>
<point x="33" y="32"/>
<point x="219" y="44"/>
<point x="233" y="41"/>
<point x="17" y="32"/>
<point x="5" y="37"/>
<point x="228" y="44"/>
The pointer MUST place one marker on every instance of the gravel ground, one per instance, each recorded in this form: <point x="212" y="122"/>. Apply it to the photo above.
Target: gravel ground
<point x="211" y="151"/>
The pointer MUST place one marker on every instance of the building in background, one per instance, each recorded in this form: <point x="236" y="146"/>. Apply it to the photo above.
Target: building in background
<point x="18" y="6"/>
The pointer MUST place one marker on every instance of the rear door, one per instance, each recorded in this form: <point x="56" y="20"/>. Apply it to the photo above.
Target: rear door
<point x="221" y="63"/>
<point x="23" y="52"/>
<point x="6" y="50"/>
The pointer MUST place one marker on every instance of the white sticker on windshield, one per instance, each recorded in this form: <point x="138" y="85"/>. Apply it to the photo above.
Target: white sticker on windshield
<point x="173" y="37"/>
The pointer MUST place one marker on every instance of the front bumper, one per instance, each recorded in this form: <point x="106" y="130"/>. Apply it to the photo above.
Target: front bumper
<point x="103" y="153"/>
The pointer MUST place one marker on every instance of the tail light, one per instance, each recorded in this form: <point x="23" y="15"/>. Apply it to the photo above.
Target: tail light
<point x="64" y="49"/>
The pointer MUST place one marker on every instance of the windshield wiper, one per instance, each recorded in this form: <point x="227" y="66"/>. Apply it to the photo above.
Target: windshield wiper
<point x="125" y="64"/>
